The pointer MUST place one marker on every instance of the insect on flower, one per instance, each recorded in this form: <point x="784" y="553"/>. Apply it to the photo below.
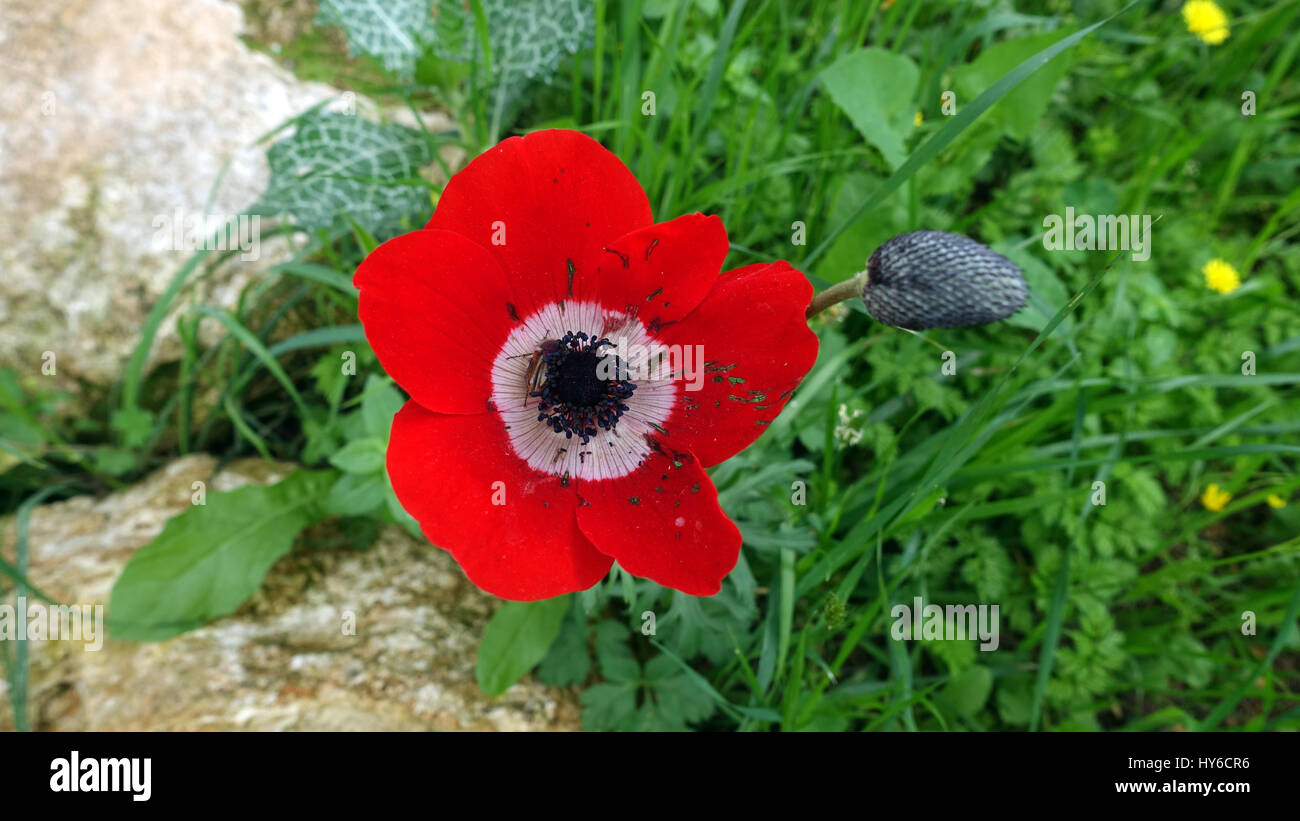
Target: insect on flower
<point x="536" y="372"/>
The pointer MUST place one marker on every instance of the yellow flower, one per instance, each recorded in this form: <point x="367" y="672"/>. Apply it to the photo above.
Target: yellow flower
<point x="1215" y="499"/>
<point x="918" y="119"/>
<point x="1221" y="277"/>
<point x="1275" y="501"/>
<point x="1206" y="20"/>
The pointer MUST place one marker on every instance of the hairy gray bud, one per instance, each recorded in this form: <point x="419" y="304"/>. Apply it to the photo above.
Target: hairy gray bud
<point x="933" y="279"/>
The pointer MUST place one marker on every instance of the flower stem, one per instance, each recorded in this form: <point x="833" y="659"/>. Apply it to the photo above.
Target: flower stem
<point x="837" y="293"/>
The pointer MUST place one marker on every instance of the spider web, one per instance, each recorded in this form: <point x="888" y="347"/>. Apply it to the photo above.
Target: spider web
<point x="338" y="164"/>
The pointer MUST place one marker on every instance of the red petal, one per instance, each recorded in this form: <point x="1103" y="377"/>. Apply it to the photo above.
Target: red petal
<point x="559" y="196"/>
<point x="659" y="273"/>
<point x="662" y="522"/>
<point x="757" y="347"/>
<point x="434" y="308"/>
<point x="445" y="471"/>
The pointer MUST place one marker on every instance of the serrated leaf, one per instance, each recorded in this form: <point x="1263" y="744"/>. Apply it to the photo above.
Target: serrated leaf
<point x="212" y="557"/>
<point x="516" y="639"/>
<point x="330" y="379"/>
<point x="394" y="32"/>
<point x="568" y="661"/>
<point x="676" y="699"/>
<point x="337" y="165"/>
<point x="612" y="652"/>
<point x="695" y="625"/>
<point x="134" y="424"/>
<point x="610" y="706"/>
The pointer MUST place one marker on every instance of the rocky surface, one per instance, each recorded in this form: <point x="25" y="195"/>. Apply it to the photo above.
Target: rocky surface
<point x="282" y="662"/>
<point x="114" y="114"/>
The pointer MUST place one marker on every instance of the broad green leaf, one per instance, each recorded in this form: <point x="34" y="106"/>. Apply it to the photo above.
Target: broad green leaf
<point x="362" y="456"/>
<point x="212" y="557"/>
<point x="1014" y="699"/>
<point x="516" y="639"/>
<point x="875" y="88"/>
<point x="355" y="494"/>
<point x="850" y="253"/>
<point x="336" y="165"/>
<point x="1020" y="110"/>
<point x="379" y="405"/>
<point x="965" y="116"/>
<point x="968" y="690"/>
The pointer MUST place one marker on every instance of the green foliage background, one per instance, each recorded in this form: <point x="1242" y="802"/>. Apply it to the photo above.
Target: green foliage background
<point x="970" y="488"/>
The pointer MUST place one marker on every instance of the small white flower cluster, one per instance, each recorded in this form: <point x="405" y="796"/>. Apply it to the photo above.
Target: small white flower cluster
<point x="845" y="430"/>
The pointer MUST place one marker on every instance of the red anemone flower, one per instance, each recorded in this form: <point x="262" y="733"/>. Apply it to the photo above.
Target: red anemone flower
<point x="573" y="368"/>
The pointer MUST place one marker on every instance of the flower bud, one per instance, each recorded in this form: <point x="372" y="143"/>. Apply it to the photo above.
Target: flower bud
<point x="933" y="279"/>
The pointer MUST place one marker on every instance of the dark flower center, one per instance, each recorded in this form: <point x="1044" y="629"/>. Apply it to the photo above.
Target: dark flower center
<point x="581" y="393"/>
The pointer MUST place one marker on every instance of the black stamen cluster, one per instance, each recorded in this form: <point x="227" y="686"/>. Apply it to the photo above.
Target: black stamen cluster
<point x="574" y="398"/>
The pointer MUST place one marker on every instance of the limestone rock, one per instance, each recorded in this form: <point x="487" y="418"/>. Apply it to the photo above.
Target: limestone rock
<point x="114" y="114"/>
<point x="283" y="661"/>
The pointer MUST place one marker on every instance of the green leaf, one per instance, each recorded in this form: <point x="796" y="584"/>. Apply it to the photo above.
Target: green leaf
<point x="875" y="88"/>
<point x="568" y="661"/>
<point x="968" y="691"/>
<point x="965" y="116"/>
<point x="380" y="402"/>
<point x="362" y="456"/>
<point x="850" y="252"/>
<point x="392" y="31"/>
<point x="1047" y="294"/>
<point x="616" y="660"/>
<point x="397" y="512"/>
<point x="329" y="378"/>
<point x="355" y="494"/>
<point x="322" y="439"/>
<point x="674" y="700"/>
<point x="527" y="40"/>
<point x="336" y="165"/>
<point x="212" y="557"/>
<point x="516" y="639"/>
<point x="1014" y="701"/>
<point x="609" y="706"/>
<point x="133" y="424"/>
<point x="1020" y="110"/>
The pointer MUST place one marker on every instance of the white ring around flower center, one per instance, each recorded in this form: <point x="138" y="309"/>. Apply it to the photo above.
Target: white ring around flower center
<point x="610" y="453"/>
